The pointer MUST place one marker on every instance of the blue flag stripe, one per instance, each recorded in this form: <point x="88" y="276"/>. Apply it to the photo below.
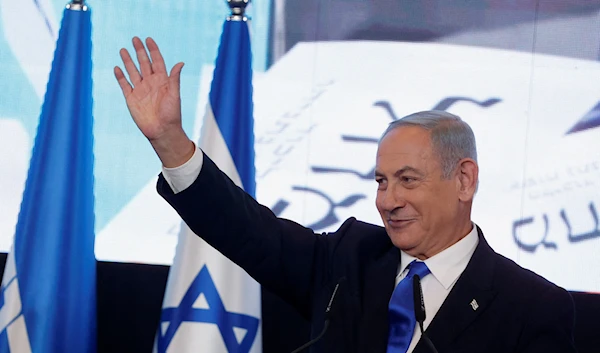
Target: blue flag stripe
<point x="231" y="99"/>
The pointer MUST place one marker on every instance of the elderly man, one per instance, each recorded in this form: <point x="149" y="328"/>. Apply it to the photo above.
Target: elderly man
<point x="475" y="300"/>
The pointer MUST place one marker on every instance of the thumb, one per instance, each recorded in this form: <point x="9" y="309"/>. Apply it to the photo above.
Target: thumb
<point x="175" y="78"/>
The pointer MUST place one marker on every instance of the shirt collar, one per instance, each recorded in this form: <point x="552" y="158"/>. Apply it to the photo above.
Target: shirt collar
<point x="447" y="265"/>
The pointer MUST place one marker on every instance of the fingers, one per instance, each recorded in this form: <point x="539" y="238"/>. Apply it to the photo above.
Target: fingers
<point x="158" y="63"/>
<point x="175" y="78"/>
<point x="125" y="86"/>
<point x="142" y="56"/>
<point x="147" y="67"/>
<point x="132" y="71"/>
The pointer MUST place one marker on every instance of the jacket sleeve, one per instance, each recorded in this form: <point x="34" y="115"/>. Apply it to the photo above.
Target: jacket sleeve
<point x="550" y="324"/>
<point x="280" y="254"/>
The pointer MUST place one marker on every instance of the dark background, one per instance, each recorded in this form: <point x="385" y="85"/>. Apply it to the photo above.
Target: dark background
<point x="130" y="301"/>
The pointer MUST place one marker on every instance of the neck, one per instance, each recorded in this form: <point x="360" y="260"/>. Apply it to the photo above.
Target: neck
<point x="459" y="232"/>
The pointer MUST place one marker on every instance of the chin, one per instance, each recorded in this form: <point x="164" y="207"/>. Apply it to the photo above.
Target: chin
<point x="403" y="240"/>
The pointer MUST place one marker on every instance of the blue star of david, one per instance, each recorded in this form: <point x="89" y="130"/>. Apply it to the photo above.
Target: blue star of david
<point x="216" y="314"/>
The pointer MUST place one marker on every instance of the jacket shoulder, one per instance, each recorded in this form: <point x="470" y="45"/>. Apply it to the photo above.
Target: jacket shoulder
<point x="358" y="234"/>
<point x="514" y="276"/>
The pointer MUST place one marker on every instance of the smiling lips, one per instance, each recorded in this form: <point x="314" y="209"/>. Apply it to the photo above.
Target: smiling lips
<point x="399" y="222"/>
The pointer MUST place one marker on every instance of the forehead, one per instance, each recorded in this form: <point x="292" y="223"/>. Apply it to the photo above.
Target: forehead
<point x="409" y="140"/>
<point x="405" y="146"/>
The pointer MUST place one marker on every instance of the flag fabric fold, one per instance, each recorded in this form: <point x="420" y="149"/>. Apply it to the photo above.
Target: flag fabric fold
<point x="48" y="299"/>
<point x="211" y="304"/>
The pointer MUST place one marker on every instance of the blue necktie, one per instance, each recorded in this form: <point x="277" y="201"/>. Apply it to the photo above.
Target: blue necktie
<point x="401" y="310"/>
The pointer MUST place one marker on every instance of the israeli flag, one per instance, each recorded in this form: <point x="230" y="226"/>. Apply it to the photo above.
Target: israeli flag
<point x="48" y="294"/>
<point x="211" y="304"/>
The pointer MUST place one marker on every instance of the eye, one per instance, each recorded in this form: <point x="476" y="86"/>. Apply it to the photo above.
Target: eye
<point x="381" y="183"/>
<point x="408" y="179"/>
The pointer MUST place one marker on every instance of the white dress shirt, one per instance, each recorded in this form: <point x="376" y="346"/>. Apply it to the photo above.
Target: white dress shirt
<point x="180" y="178"/>
<point x="445" y="267"/>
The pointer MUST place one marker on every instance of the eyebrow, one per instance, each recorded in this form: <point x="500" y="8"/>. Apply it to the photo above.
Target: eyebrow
<point x="401" y="171"/>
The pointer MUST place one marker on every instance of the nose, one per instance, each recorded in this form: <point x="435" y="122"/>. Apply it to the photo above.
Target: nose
<point x="391" y="198"/>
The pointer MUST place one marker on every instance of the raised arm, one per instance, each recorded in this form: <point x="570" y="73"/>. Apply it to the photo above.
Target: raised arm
<point x="154" y="102"/>
<point x="280" y="254"/>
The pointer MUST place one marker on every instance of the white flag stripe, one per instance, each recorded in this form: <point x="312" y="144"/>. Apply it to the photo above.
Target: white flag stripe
<point x="12" y="299"/>
<point x="197" y="337"/>
<point x="11" y="317"/>
<point x="18" y="340"/>
<point x="213" y="144"/>
<point x="12" y="305"/>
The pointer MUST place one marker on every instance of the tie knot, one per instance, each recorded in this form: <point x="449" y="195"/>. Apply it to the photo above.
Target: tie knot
<point x="418" y="268"/>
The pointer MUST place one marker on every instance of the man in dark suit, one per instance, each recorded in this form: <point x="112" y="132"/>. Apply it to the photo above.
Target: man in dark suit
<point x="475" y="300"/>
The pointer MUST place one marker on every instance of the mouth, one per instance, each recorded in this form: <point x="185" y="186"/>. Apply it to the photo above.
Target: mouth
<point x="399" y="223"/>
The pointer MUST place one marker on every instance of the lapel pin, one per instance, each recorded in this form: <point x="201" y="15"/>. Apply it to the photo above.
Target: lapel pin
<point x="474" y="304"/>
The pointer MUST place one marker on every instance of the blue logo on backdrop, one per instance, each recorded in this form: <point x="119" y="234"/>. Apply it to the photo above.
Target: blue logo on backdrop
<point x="589" y="121"/>
<point x="215" y="314"/>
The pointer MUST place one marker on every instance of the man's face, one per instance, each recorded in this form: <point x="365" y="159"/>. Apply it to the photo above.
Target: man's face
<point x="419" y="208"/>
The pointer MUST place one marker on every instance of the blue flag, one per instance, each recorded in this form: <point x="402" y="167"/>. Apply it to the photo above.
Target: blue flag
<point x="48" y="299"/>
<point x="211" y="304"/>
<point x="231" y="100"/>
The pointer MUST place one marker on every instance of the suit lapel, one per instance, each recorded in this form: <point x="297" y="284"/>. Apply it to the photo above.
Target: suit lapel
<point x="377" y="291"/>
<point x="469" y="298"/>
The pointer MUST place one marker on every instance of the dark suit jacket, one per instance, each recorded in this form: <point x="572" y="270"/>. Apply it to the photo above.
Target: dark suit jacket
<point x="518" y="310"/>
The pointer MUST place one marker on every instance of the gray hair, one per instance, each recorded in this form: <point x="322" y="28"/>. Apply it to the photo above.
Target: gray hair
<point x="451" y="137"/>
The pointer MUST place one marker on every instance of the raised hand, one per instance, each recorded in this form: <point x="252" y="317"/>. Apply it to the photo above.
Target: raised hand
<point x="154" y="102"/>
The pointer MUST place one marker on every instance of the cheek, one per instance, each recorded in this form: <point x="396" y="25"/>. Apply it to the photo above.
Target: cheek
<point x="379" y="200"/>
<point x="427" y="209"/>
<point x="447" y="198"/>
<point x="439" y="212"/>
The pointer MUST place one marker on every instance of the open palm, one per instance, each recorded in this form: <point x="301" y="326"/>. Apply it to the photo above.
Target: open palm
<point x="152" y="96"/>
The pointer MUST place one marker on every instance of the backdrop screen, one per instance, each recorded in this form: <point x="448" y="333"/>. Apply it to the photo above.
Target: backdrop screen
<point x="330" y="76"/>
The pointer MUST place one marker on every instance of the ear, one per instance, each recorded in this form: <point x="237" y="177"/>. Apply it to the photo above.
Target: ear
<point x="467" y="178"/>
